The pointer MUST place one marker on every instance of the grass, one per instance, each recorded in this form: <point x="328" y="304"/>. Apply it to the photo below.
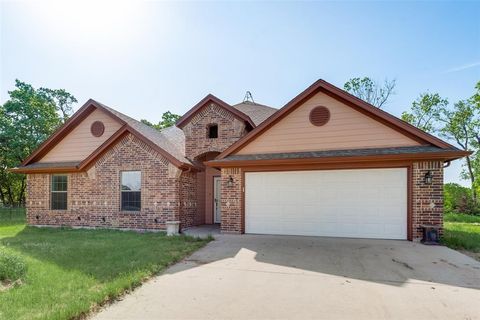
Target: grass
<point x="71" y="271"/>
<point x="462" y="232"/>
<point x="459" y="217"/>
<point x="12" y="214"/>
<point x="12" y="267"/>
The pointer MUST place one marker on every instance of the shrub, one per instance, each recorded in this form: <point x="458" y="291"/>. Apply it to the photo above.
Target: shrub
<point x="458" y="199"/>
<point x="12" y="266"/>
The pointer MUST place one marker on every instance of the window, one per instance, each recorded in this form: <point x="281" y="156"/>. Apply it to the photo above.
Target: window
<point x="213" y="131"/>
<point x="59" y="192"/>
<point x="131" y="194"/>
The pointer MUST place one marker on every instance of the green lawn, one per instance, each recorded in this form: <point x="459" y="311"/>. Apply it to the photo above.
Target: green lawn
<point x="71" y="271"/>
<point x="462" y="232"/>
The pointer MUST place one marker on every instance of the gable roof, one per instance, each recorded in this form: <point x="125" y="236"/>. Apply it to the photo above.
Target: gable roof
<point x="159" y="138"/>
<point x="351" y="101"/>
<point x="257" y="112"/>
<point x="210" y="98"/>
<point x="159" y="141"/>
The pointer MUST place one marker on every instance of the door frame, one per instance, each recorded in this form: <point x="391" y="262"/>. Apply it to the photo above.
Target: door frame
<point x="216" y="206"/>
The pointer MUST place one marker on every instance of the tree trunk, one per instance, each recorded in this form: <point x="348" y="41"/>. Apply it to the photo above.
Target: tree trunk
<point x="10" y="195"/>
<point x="2" y="195"/>
<point x="21" y="197"/>
<point x="472" y="179"/>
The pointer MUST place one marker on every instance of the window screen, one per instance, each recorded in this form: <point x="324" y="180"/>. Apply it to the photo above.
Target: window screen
<point x="131" y="195"/>
<point x="59" y="192"/>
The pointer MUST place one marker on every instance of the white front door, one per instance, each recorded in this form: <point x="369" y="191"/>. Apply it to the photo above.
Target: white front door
<point x="217" y="206"/>
<point x="364" y="203"/>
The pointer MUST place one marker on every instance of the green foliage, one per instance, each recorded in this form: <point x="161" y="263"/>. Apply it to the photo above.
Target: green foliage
<point x="458" y="199"/>
<point x="168" y="120"/>
<point x="62" y="100"/>
<point x="458" y="123"/>
<point x="72" y="271"/>
<point x="28" y="118"/>
<point x="460" y="217"/>
<point x="370" y="91"/>
<point x="12" y="266"/>
<point x="425" y="111"/>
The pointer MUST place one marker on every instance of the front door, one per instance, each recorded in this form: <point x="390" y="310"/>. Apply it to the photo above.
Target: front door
<point x="217" y="207"/>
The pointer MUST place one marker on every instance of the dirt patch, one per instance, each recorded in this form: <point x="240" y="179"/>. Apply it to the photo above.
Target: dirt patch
<point x="6" y="285"/>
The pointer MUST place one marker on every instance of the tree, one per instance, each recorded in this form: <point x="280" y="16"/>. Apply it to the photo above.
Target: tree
<point x="370" y="91"/>
<point x="28" y="118"/>
<point x="61" y="99"/>
<point x="458" y="199"/>
<point x="168" y="119"/>
<point x="425" y="111"/>
<point x="459" y="123"/>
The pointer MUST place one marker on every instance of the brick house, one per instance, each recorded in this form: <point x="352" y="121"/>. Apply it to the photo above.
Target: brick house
<point x="326" y="164"/>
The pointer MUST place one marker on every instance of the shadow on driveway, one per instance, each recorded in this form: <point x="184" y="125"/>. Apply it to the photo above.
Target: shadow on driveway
<point x="385" y="261"/>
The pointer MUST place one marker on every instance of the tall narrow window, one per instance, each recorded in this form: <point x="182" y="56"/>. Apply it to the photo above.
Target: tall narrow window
<point x="59" y="192"/>
<point x="213" y="131"/>
<point x="131" y="182"/>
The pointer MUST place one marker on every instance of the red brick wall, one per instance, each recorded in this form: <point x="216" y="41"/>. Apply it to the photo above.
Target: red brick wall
<point x="232" y="217"/>
<point x="95" y="195"/>
<point x="427" y="200"/>
<point x="230" y="129"/>
<point x="188" y="200"/>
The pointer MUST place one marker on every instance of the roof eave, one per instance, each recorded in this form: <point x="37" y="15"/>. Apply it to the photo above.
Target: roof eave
<point x="442" y="156"/>
<point x="26" y="170"/>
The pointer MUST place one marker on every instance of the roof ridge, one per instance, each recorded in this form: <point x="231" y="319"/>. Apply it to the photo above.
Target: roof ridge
<point x="254" y="104"/>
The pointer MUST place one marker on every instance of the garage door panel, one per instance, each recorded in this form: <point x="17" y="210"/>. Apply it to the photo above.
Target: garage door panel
<point x="368" y="203"/>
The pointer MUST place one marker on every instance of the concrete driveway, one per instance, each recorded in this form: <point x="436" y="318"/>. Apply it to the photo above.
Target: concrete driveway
<point x="280" y="277"/>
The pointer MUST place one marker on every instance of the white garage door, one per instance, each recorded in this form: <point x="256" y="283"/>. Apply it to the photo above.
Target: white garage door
<point x="363" y="203"/>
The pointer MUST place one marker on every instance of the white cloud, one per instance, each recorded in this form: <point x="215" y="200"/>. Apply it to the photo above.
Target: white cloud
<point x="464" y="67"/>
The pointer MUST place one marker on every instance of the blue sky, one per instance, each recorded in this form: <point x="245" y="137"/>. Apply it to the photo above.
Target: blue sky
<point x="144" y="58"/>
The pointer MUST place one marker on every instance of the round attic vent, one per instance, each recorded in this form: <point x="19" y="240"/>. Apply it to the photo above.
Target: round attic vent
<point x="97" y="128"/>
<point x="319" y="116"/>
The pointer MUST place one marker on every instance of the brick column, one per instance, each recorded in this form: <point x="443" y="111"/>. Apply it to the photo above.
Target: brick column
<point x="427" y="200"/>
<point x="232" y="217"/>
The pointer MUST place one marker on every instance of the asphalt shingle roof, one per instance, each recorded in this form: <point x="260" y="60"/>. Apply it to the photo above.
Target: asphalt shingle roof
<point x="46" y="165"/>
<point x="257" y="112"/>
<point x="170" y="139"/>
<point x="335" y="153"/>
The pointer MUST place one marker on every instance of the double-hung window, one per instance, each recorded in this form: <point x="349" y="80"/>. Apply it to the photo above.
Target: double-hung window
<point x="58" y="192"/>
<point x="131" y="182"/>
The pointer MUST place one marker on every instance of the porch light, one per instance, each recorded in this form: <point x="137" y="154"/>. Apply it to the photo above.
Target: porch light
<point x="428" y="178"/>
<point x="230" y="182"/>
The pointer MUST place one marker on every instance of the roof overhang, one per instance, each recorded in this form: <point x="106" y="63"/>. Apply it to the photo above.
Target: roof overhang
<point x="48" y="167"/>
<point x="336" y="156"/>
<point x="210" y="98"/>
